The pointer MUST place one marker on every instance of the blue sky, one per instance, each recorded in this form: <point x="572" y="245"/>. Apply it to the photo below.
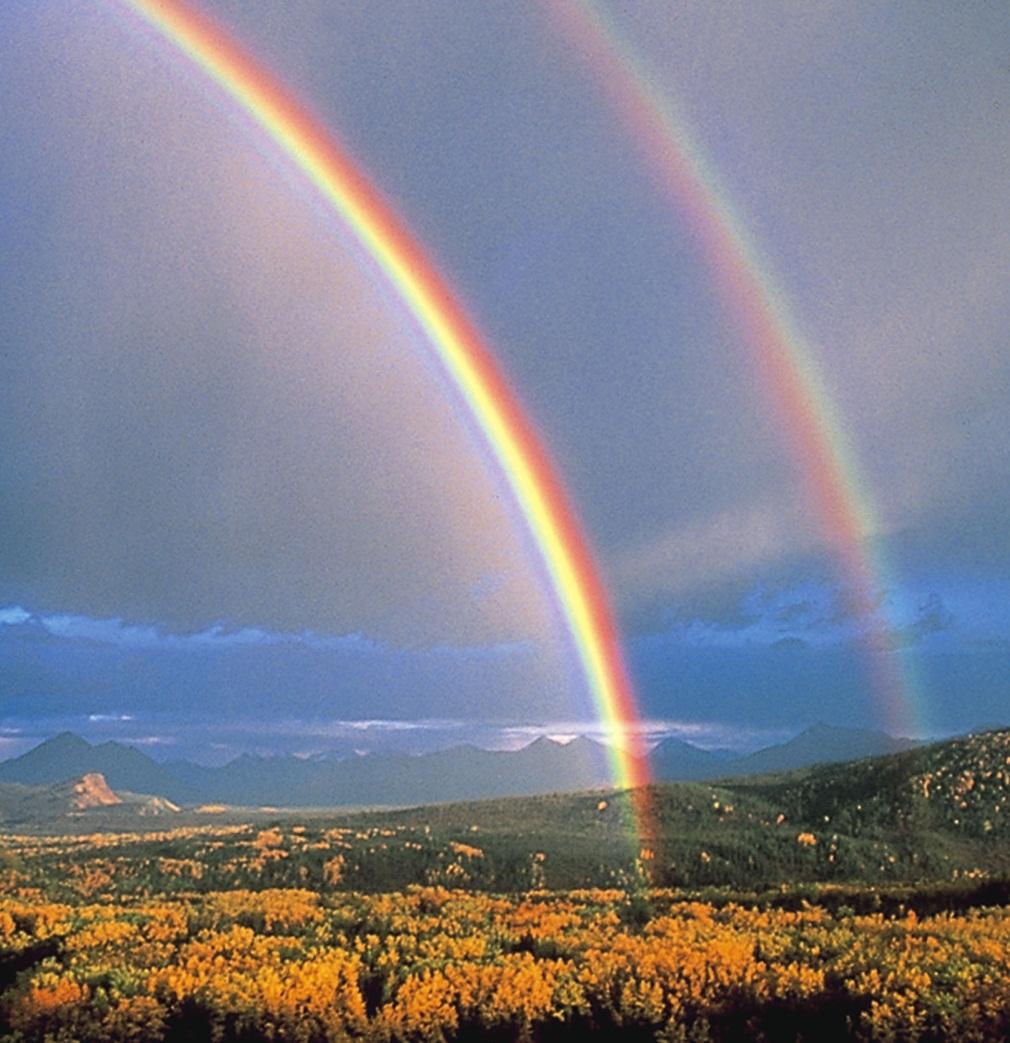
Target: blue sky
<point x="235" y="491"/>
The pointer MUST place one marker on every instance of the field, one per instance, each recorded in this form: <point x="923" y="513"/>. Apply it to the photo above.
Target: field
<point x="252" y="932"/>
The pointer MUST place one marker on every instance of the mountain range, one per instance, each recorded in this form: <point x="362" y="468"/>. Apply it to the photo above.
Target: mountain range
<point x="455" y="774"/>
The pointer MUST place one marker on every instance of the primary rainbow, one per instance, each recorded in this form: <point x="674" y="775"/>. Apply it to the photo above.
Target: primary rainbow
<point x="783" y="358"/>
<point x="459" y="348"/>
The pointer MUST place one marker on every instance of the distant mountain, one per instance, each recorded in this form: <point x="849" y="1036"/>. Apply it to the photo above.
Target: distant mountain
<point x="457" y="773"/>
<point x="68" y="756"/>
<point x="51" y="761"/>
<point x="679" y="761"/>
<point x="819" y="744"/>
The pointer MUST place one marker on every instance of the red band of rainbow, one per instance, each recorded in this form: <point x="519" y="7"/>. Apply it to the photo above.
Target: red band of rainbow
<point x="461" y="351"/>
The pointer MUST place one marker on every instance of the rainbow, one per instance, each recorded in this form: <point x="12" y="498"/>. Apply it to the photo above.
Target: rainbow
<point x="458" y="347"/>
<point x="783" y="359"/>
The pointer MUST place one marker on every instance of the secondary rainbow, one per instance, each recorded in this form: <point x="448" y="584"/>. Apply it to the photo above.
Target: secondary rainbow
<point x="783" y="359"/>
<point x="463" y="354"/>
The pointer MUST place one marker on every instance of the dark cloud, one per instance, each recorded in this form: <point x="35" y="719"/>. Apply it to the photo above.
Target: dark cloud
<point x="932" y="617"/>
<point x="790" y="644"/>
<point x="796" y="612"/>
<point x="96" y="668"/>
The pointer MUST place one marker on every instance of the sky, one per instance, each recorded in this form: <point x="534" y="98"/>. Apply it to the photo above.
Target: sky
<point x="240" y="509"/>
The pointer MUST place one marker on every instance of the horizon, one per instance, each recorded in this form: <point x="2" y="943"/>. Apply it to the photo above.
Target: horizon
<point x="167" y="754"/>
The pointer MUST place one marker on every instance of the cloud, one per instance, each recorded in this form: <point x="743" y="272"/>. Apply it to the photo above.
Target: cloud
<point x="932" y="617"/>
<point x="112" y="672"/>
<point x="13" y="615"/>
<point x="706" y="734"/>
<point x="796" y="612"/>
<point x="791" y="644"/>
<point x="709" y="551"/>
<point x="139" y="636"/>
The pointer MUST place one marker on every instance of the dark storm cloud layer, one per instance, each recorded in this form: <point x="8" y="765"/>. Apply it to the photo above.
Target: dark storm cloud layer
<point x="210" y="411"/>
<point x="59" y="668"/>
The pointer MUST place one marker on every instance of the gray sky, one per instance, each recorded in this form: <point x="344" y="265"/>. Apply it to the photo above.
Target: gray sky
<point x="213" y="412"/>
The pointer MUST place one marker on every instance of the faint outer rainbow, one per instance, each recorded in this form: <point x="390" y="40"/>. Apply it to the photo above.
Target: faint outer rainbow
<point x="783" y="359"/>
<point x="459" y="348"/>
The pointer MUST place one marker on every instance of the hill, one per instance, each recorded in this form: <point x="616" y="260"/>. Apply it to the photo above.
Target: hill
<point x="87" y="799"/>
<point x="819" y="744"/>
<point x="937" y="812"/>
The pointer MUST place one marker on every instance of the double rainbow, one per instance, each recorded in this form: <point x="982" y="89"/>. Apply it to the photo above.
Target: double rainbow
<point x="783" y="358"/>
<point x="455" y="342"/>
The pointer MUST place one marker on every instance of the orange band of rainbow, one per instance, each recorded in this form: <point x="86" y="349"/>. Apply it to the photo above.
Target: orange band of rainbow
<point x="459" y="348"/>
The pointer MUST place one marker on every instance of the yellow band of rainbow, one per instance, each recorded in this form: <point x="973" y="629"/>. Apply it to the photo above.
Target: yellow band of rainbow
<point x="459" y="348"/>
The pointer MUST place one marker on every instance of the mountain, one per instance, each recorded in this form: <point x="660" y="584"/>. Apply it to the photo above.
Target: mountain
<point x="67" y="756"/>
<point x="55" y="759"/>
<point x="819" y="744"/>
<point x="457" y="773"/>
<point x="679" y="761"/>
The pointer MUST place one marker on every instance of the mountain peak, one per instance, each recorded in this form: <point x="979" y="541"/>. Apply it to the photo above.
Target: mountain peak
<point x="65" y="742"/>
<point x="583" y="742"/>
<point x="671" y="742"/>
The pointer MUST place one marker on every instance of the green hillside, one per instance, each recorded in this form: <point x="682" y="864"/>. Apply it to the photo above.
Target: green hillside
<point x="938" y="812"/>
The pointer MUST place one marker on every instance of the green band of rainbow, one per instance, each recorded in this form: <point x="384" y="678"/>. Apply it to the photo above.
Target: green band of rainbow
<point x="458" y="347"/>
<point x="783" y="359"/>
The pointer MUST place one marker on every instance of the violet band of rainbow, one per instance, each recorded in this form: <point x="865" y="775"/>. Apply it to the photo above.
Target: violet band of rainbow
<point x="464" y="355"/>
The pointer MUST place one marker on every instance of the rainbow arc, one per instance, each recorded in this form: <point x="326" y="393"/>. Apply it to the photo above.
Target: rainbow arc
<point x="782" y="358"/>
<point x="465" y="357"/>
